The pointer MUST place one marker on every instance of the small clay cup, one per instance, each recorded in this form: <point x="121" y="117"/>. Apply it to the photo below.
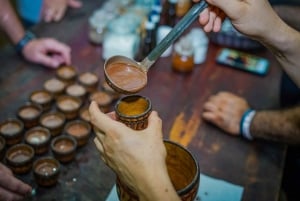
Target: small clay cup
<point x="133" y="111"/>
<point x="69" y="105"/>
<point x="115" y="95"/>
<point x="43" y="98"/>
<point x="89" y="80"/>
<point x="55" y="86"/>
<point x="30" y="114"/>
<point x="54" y="121"/>
<point x="183" y="170"/>
<point x="46" y="171"/>
<point x="64" y="148"/>
<point x="76" y="90"/>
<point x="12" y="130"/>
<point x="19" y="158"/>
<point x="2" y="147"/>
<point x="67" y="74"/>
<point x="39" y="138"/>
<point x="80" y="130"/>
<point x="103" y="99"/>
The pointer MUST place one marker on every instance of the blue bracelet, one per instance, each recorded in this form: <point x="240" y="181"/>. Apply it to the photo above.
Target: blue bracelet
<point x="245" y="124"/>
<point x="23" y="42"/>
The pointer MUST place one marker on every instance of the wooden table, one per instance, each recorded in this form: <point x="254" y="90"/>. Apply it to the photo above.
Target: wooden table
<point x="179" y="98"/>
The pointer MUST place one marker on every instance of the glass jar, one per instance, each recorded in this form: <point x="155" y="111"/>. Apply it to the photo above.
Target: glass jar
<point x="97" y="25"/>
<point x="121" y="38"/>
<point x="183" y="56"/>
<point x="183" y="7"/>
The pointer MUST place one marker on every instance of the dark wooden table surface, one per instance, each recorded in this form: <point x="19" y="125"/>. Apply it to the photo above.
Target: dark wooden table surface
<point x="179" y="98"/>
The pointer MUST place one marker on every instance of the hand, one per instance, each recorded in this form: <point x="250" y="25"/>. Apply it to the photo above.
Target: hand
<point x="250" y="17"/>
<point x="48" y="52"/>
<point x="12" y="188"/>
<point x="225" y="110"/>
<point x="54" y="10"/>
<point x="131" y="154"/>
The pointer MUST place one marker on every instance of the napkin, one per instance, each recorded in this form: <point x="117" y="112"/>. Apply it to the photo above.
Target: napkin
<point x="210" y="189"/>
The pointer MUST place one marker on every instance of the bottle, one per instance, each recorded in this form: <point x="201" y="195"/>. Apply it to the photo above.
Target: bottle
<point x="170" y="12"/>
<point x="183" y="7"/>
<point x="149" y="39"/>
<point x="183" y="56"/>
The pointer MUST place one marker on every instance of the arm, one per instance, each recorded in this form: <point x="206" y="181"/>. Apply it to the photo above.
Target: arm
<point x="10" y="23"/>
<point x="46" y="51"/>
<point x="280" y="125"/>
<point x="225" y="110"/>
<point x="259" y="21"/>
<point x="137" y="157"/>
<point x="10" y="187"/>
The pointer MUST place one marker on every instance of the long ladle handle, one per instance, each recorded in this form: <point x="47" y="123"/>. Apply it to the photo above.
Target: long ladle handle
<point x="179" y="28"/>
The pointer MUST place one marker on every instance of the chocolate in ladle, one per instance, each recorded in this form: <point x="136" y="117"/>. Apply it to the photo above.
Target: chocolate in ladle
<point x="128" y="76"/>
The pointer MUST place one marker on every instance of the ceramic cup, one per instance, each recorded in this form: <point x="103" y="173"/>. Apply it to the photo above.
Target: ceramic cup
<point x="19" y="158"/>
<point x="12" y="130"/>
<point x="183" y="170"/>
<point x="39" y="138"/>
<point x="64" y="148"/>
<point x="133" y="111"/>
<point x="46" y="171"/>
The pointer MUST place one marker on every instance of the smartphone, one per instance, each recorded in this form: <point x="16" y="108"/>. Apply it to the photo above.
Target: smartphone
<point x="243" y="61"/>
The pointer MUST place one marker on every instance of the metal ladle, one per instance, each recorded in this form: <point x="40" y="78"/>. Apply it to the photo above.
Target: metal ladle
<point x="127" y="76"/>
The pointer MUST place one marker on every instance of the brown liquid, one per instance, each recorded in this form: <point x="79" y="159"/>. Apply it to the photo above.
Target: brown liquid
<point x="46" y="168"/>
<point x="126" y="76"/>
<point x="64" y="145"/>
<point x="29" y="112"/>
<point x="88" y="78"/>
<point x="10" y="128"/>
<point x="41" y="97"/>
<point x="19" y="156"/>
<point x="37" y="137"/>
<point x="77" y="130"/>
<point x="101" y="97"/>
<point x="132" y="108"/>
<point x="68" y="104"/>
<point x="52" y="121"/>
<point x="66" y="72"/>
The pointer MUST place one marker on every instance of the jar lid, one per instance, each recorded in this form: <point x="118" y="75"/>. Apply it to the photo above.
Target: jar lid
<point x="184" y="47"/>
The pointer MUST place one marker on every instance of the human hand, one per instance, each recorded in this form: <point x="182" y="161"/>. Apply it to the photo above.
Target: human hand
<point x="54" y="10"/>
<point x="225" y="110"/>
<point x="137" y="157"/>
<point x="250" y="17"/>
<point x="12" y="188"/>
<point x="47" y="51"/>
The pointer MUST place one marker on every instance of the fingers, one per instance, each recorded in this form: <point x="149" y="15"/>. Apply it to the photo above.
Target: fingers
<point x="54" y="46"/>
<point x="7" y="195"/>
<point x="74" y="3"/>
<point x="154" y="124"/>
<point x="100" y="149"/>
<point x="13" y="185"/>
<point x="101" y="120"/>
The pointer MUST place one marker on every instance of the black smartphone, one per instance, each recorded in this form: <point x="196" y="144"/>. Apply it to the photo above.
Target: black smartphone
<point x="243" y="61"/>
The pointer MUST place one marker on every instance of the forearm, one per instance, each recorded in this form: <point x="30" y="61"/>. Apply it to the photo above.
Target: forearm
<point x="10" y="23"/>
<point x="280" y="125"/>
<point x="284" y="43"/>
<point x="157" y="187"/>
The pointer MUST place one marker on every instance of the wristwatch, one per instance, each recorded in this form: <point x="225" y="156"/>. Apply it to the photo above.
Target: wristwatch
<point x="23" y="42"/>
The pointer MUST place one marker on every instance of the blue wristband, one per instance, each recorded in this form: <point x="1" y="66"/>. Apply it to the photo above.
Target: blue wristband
<point x="245" y="124"/>
<point x="23" y="42"/>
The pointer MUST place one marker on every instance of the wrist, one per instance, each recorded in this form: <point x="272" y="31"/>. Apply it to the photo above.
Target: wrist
<point x="28" y="36"/>
<point x="245" y="124"/>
